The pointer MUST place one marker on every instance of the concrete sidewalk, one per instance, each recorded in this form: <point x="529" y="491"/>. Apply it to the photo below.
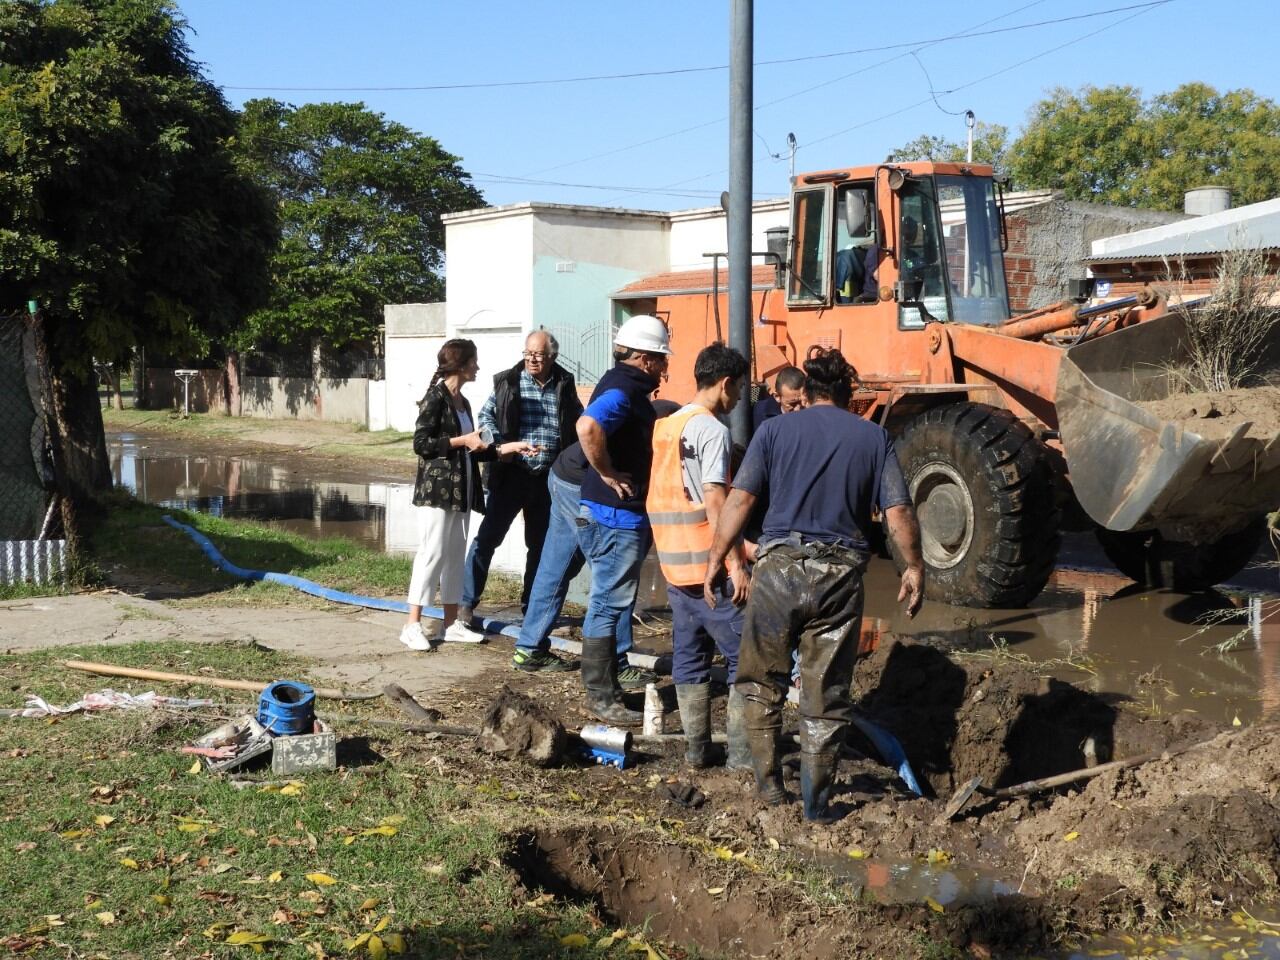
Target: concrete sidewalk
<point x="353" y="647"/>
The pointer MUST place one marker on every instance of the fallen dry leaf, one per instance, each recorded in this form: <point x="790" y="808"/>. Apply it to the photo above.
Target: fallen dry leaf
<point x="106" y="918"/>
<point x="573" y="940"/>
<point x="321" y="879"/>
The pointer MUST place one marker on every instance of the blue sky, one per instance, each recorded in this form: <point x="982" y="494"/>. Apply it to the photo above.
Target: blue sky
<point x="661" y="142"/>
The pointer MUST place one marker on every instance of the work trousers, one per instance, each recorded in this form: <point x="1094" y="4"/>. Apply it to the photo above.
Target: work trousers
<point x="559" y="564"/>
<point x="442" y="545"/>
<point x="805" y="596"/>
<point x="520" y="494"/>
<point x="697" y="631"/>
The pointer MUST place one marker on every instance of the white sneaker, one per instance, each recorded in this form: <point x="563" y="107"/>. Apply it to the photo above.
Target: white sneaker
<point x="415" y="638"/>
<point x="459" y="632"/>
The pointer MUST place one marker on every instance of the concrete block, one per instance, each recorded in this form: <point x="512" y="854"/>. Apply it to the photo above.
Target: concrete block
<point x="305" y="752"/>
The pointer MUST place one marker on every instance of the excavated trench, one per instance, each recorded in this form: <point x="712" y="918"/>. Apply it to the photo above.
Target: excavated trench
<point x="680" y="895"/>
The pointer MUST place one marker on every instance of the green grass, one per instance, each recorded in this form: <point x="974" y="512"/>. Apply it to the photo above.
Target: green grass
<point x="133" y="537"/>
<point x="114" y="848"/>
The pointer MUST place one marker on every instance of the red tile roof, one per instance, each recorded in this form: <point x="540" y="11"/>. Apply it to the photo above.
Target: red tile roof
<point x="691" y="281"/>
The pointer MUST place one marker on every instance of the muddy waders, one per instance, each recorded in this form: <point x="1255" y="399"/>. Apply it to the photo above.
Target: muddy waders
<point x="739" y="749"/>
<point x="806" y="595"/>
<point x="600" y="677"/>
<point x="695" y="717"/>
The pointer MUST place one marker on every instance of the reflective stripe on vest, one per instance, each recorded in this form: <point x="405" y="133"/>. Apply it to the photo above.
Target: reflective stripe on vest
<point x="681" y="532"/>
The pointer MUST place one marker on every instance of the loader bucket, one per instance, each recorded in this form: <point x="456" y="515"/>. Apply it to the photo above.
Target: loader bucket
<point x="1131" y="470"/>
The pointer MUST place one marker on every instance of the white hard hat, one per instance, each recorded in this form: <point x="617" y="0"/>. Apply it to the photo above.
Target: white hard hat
<point x="644" y="332"/>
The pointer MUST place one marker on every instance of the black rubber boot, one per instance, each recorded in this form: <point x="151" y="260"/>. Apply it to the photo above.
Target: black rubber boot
<point x="739" y="747"/>
<point x="695" y="717"/>
<point x="600" y="677"/>
<point x="817" y="773"/>
<point x="767" y="767"/>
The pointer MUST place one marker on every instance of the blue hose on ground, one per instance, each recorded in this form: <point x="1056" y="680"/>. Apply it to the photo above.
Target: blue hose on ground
<point x="325" y="593"/>
<point x="891" y="750"/>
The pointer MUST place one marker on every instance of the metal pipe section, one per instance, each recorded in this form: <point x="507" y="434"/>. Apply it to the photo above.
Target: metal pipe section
<point x="741" y="41"/>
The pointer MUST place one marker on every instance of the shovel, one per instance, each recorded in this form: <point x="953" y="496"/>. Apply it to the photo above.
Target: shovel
<point x="975" y="785"/>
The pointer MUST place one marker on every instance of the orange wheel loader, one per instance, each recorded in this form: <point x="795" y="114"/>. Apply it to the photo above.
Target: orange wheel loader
<point x="1007" y="428"/>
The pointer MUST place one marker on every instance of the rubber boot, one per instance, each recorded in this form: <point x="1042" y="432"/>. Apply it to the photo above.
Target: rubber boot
<point x="695" y="717"/>
<point x="738" y="756"/>
<point x="600" y="677"/>
<point x="767" y="766"/>
<point x="817" y="773"/>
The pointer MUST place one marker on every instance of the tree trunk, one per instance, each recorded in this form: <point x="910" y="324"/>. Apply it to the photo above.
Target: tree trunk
<point x="78" y="414"/>
<point x="231" y="384"/>
<point x="140" y="378"/>
<point x="113" y="374"/>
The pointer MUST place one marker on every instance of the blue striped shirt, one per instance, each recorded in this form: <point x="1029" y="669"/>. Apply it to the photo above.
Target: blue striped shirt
<point x="539" y="419"/>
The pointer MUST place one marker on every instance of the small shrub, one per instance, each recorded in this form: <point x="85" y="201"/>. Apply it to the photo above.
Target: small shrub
<point x="1228" y="335"/>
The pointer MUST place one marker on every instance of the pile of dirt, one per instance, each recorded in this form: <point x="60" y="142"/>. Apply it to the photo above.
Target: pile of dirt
<point x="516" y="727"/>
<point x="999" y="720"/>
<point x="1215" y="416"/>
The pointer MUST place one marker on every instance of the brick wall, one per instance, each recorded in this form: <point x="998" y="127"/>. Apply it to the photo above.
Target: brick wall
<point x="1050" y="241"/>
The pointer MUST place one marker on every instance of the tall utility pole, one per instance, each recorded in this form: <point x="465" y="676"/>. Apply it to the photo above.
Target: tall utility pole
<point x="741" y="40"/>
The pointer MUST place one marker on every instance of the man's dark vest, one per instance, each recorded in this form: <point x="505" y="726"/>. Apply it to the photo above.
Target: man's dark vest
<point x="506" y="414"/>
<point x="630" y="445"/>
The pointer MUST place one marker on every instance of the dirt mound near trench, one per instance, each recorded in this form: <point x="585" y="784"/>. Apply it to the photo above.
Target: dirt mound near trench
<point x="998" y="719"/>
<point x="1199" y="829"/>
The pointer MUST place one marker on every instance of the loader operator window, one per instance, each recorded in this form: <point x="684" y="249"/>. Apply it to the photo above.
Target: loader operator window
<point x="920" y="254"/>
<point x="971" y="236"/>
<point x="857" y="249"/>
<point x="809" y="278"/>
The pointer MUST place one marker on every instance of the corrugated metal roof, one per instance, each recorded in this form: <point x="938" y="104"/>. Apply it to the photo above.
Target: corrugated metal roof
<point x="1145" y="257"/>
<point x="690" y="281"/>
<point x="1254" y="225"/>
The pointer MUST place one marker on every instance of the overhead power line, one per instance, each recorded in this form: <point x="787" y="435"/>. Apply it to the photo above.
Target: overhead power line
<point x="677" y="71"/>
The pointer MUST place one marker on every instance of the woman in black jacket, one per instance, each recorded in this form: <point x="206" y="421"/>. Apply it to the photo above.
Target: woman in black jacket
<point x="447" y="489"/>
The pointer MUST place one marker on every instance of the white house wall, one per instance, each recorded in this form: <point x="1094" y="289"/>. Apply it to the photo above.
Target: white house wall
<point x="695" y="232"/>
<point x="580" y="258"/>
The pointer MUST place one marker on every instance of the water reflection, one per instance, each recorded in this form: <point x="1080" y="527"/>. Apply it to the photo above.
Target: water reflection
<point x="377" y="514"/>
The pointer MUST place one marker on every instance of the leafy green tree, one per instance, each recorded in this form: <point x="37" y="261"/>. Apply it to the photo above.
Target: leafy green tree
<point x="990" y="142"/>
<point x="122" y="210"/>
<point x="1107" y="144"/>
<point x="360" y="204"/>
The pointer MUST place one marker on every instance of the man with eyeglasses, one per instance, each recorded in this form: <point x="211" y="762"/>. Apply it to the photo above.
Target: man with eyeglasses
<point x="616" y="433"/>
<point x="536" y="402"/>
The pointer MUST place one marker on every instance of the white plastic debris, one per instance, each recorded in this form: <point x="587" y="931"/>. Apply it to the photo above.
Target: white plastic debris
<point x="109" y="700"/>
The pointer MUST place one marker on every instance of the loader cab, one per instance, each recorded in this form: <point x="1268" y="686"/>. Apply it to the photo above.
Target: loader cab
<point x="950" y="250"/>
<point x="943" y="231"/>
<point x="835" y="244"/>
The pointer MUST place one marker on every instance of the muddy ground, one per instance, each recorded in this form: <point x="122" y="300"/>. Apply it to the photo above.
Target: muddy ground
<point x="1187" y="838"/>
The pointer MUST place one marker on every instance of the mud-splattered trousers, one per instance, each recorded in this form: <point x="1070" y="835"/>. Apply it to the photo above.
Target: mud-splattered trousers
<point x="807" y="596"/>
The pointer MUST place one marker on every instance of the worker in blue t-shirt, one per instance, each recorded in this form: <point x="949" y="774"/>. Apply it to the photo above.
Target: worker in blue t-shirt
<point x="824" y="470"/>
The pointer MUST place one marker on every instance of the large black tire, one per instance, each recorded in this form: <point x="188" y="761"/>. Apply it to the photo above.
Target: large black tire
<point x="1149" y="559"/>
<point x="984" y="492"/>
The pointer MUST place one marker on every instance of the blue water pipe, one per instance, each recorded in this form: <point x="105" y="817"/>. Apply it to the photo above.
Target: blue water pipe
<point x="325" y="593"/>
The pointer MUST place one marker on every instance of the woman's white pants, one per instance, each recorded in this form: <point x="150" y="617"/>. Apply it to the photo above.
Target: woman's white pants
<point x="442" y="551"/>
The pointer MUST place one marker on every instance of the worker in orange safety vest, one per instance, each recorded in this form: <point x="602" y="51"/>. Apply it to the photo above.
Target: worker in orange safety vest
<point x="688" y="483"/>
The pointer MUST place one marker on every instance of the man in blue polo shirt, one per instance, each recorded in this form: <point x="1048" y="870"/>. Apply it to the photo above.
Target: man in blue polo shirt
<point x="824" y="470"/>
<point x="616" y="433"/>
